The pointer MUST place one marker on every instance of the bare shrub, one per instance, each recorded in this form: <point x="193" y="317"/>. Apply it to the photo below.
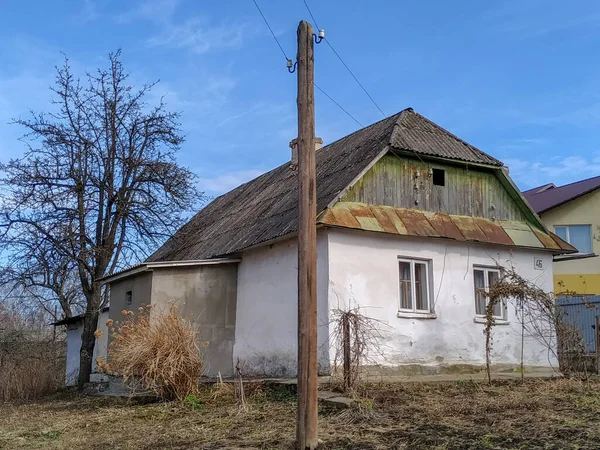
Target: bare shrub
<point x="32" y="358"/>
<point x="162" y="353"/>
<point x="357" y="339"/>
<point x="541" y="318"/>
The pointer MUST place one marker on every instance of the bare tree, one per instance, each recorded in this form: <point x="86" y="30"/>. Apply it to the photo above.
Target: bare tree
<point x="39" y="273"/>
<point x="99" y="184"/>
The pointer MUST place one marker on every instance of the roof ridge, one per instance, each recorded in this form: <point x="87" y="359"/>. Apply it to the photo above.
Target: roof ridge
<point x="575" y="182"/>
<point x="449" y="133"/>
<point x="285" y="163"/>
<point x="365" y="128"/>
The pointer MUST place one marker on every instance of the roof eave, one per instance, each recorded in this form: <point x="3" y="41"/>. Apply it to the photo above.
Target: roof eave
<point x="146" y="267"/>
<point x="457" y="161"/>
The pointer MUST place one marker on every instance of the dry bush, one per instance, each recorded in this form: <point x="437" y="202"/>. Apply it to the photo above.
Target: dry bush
<point x="32" y="358"/>
<point x="357" y="340"/>
<point x="541" y="318"/>
<point x="162" y="353"/>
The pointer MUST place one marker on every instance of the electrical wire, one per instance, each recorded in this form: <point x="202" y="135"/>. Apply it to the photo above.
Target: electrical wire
<point x="344" y="63"/>
<point x="287" y="59"/>
<point x="338" y="105"/>
<point x="311" y="15"/>
<point x="271" y="30"/>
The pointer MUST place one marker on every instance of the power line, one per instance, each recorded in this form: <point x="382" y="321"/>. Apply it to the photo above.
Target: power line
<point x="338" y="105"/>
<point x="287" y="59"/>
<point x="271" y="30"/>
<point x="343" y="62"/>
<point x="311" y="15"/>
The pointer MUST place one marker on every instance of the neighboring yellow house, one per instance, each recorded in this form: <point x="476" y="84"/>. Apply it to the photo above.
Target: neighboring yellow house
<point x="572" y="211"/>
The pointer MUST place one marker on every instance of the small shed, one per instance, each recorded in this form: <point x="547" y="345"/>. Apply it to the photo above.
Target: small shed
<point x="74" y="331"/>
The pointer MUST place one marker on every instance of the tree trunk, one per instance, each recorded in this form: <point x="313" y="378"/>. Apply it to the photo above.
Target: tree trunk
<point x="88" y="340"/>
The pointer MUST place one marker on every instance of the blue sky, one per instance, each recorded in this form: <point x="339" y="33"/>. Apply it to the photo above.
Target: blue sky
<point x="518" y="79"/>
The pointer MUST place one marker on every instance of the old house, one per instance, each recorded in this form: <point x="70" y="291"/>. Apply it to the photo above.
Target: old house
<point x="413" y="223"/>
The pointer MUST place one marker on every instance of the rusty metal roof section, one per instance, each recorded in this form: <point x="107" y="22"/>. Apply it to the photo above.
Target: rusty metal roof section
<point x="412" y="222"/>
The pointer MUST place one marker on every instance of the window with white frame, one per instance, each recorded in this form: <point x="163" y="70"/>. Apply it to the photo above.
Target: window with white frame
<point x="415" y="296"/>
<point x="484" y="278"/>
<point x="579" y="236"/>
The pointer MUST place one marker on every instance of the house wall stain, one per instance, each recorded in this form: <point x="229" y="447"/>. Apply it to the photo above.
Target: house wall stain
<point x="267" y="309"/>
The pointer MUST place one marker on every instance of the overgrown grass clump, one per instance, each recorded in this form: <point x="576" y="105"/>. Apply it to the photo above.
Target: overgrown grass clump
<point x="161" y="352"/>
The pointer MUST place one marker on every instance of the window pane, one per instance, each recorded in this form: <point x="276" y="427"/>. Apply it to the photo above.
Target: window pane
<point x="561" y="232"/>
<point x="405" y="290"/>
<point x="421" y="286"/>
<point x="580" y="237"/>
<point x="479" y="276"/>
<point x="498" y="309"/>
<point x="492" y="277"/>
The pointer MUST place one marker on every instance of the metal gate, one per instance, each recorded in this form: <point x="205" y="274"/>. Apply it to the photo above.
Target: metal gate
<point x="582" y="312"/>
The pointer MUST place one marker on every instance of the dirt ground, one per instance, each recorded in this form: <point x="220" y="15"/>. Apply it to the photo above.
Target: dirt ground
<point x="550" y="414"/>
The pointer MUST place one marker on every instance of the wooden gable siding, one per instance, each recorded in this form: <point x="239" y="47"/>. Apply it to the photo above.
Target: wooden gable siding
<point x="406" y="183"/>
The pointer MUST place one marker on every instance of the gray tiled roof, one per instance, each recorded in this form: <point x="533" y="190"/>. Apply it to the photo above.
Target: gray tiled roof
<point x="266" y="207"/>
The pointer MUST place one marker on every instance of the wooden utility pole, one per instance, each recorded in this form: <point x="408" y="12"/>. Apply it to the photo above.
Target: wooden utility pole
<point x="306" y="425"/>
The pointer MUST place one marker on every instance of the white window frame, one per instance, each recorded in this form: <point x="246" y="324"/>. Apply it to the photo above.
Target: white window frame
<point x="414" y="310"/>
<point x="486" y="282"/>
<point x="568" y="235"/>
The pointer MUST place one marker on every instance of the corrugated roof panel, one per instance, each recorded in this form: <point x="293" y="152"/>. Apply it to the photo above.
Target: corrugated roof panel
<point x="416" y="223"/>
<point x="546" y="240"/>
<point x="369" y="224"/>
<point x="344" y="217"/>
<point x="394" y="219"/>
<point x="469" y="229"/>
<point x="384" y="220"/>
<point x="411" y="222"/>
<point x="444" y="225"/>
<point x="493" y="231"/>
<point x="523" y="238"/>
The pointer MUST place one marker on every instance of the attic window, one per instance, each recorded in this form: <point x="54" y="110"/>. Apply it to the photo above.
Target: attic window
<point x="439" y="177"/>
<point x="128" y="297"/>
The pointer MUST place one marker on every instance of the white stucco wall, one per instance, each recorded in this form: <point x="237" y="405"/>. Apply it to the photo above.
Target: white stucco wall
<point x="363" y="270"/>
<point x="267" y="303"/>
<point x="74" y="345"/>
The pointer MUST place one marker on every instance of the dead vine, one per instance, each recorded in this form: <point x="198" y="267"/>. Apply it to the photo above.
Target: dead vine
<point x="357" y="339"/>
<point x="541" y="318"/>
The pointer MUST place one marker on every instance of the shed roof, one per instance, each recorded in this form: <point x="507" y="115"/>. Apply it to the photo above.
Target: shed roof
<point x="266" y="207"/>
<point x="544" y="198"/>
<point x="74" y="319"/>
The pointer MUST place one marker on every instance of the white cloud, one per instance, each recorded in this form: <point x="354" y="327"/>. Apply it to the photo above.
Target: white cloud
<point x="195" y="35"/>
<point x="555" y="170"/>
<point x="220" y="184"/>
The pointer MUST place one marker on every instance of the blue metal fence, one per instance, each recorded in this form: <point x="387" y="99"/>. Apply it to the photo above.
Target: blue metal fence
<point x="582" y="312"/>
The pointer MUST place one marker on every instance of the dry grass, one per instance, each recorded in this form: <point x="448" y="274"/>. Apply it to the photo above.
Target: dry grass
<point x="30" y="369"/>
<point x="559" y="414"/>
<point x="161" y="353"/>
